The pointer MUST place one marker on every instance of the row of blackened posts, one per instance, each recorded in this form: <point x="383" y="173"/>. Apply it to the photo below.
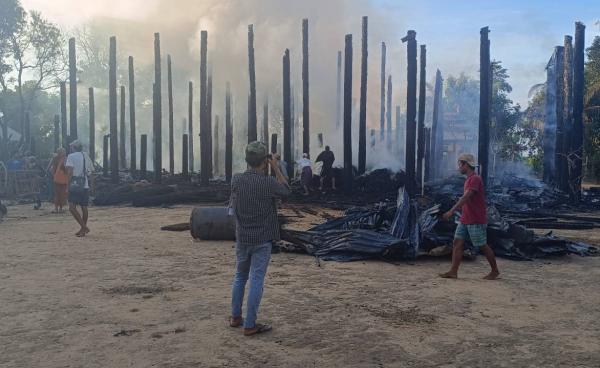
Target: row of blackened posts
<point x="423" y="146"/>
<point x="563" y="122"/>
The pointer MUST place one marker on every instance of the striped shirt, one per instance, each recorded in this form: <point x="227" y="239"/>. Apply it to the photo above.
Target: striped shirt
<point x="253" y="197"/>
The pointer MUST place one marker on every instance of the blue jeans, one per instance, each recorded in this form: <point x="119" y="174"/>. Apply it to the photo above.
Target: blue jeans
<point x="252" y="262"/>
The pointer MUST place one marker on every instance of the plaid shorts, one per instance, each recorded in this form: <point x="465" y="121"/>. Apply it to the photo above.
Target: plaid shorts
<point x="476" y="233"/>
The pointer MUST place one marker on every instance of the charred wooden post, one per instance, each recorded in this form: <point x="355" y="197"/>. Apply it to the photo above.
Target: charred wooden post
<point x="132" y="132"/>
<point x="273" y="143"/>
<point x="564" y="167"/>
<point x="373" y="139"/>
<point x="382" y="108"/>
<point x="287" y="114"/>
<point x="427" y="155"/>
<point x="72" y="90"/>
<point x="122" y="133"/>
<point x="184" y="155"/>
<point x="320" y="139"/>
<point x="398" y="142"/>
<point x="191" y="125"/>
<point x="362" y="125"/>
<point x="411" y="109"/>
<point x="105" y="163"/>
<point x="56" y="134"/>
<point x="171" y="132"/>
<point x="578" y="90"/>
<point x="348" y="114"/>
<point x="437" y="132"/>
<point x="228" y="136"/>
<point x="204" y="137"/>
<point x="209" y="127"/>
<point x="143" y="155"/>
<point x="112" y="102"/>
<point x="252" y="119"/>
<point x="305" y="95"/>
<point x="63" y="116"/>
<point x="484" y="103"/>
<point x="92" y="124"/>
<point x="553" y="119"/>
<point x="388" y="114"/>
<point x="157" y="111"/>
<point x="421" y="121"/>
<point x="338" y="94"/>
<point x="217" y="164"/>
<point x="266" y="124"/>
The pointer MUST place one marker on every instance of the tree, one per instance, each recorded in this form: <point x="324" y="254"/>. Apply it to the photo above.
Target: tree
<point x="531" y="131"/>
<point x="504" y="130"/>
<point x="591" y="144"/>
<point x="12" y="18"/>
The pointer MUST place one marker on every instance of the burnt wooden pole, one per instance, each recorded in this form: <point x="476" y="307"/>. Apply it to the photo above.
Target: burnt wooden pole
<point x="348" y="114"/>
<point x="92" y="124"/>
<point x="305" y="95"/>
<point x="191" y="125"/>
<point x="184" y="155"/>
<point x="436" y="129"/>
<point x="274" y="143"/>
<point x="143" y="155"/>
<point x="209" y="149"/>
<point x="421" y="122"/>
<point x="63" y="116"/>
<point x="216" y="146"/>
<point x="427" y="154"/>
<point x="105" y="149"/>
<point x="228" y="136"/>
<point x="122" y="133"/>
<point x="112" y="102"/>
<point x="287" y="114"/>
<point x="72" y="91"/>
<point x="564" y="146"/>
<point x="266" y="124"/>
<point x="411" y="109"/>
<point x="362" y="124"/>
<point x="388" y="114"/>
<point x="484" y="104"/>
<point x="398" y="138"/>
<point x="132" y="132"/>
<point x="578" y="90"/>
<point x="171" y="133"/>
<point x="252" y="119"/>
<point x="338" y="94"/>
<point x="382" y="103"/>
<point x="204" y="175"/>
<point x="56" y="134"/>
<point x="157" y="131"/>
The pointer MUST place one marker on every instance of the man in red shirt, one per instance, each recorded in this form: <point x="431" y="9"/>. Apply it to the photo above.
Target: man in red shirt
<point x="473" y="222"/>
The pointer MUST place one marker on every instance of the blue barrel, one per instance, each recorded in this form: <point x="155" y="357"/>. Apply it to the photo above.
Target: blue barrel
<point x="212" y="223"/>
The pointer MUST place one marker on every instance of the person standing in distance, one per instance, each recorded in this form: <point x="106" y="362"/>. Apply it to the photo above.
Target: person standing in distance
<point x="79" y="167"/>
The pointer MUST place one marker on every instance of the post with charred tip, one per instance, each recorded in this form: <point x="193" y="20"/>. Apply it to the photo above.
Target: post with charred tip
<point x="191" y="125"/>
<point x="92" y="124"/>
<point x="266" y="124"/>
<point x="421" y="121"/>
<point x="171" y="132"/>
<point x="484" y="103"/>
<point x="157" y="110"/>
<point x="578" y="105"/>
<point x="143" y="155"/>
<point x="252" y="119"/>
<point x="217" y="164"/>
<point x="411" y="109"/>
<point x="287" y="114"/>
<point x="338" y="94"/>
<point x="382" y="103"/>
<point x="348" y="114"/>
<point x="388" y="114"/>
<point x="63" y="116"/>
<point x="305" y="94"/>
<point x="105" y="162"/>
<point x="184" y="156"/>
<point x="122" y="133"/>
<point x="228" y="136"/>
<point x="112" y="99"/>
<point x="362" y="125"/>
<point x="72" y="90"/>
<point x="436" y="129"/>
<point x="204" y="177"/>
<point x="209" y="140"/>
<point x="564" y="145"/>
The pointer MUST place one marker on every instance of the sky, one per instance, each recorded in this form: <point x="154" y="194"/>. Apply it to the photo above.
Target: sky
<point x="523" y="33"/>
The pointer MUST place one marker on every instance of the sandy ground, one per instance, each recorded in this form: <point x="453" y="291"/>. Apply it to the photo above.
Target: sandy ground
<point x="130" y="295"/>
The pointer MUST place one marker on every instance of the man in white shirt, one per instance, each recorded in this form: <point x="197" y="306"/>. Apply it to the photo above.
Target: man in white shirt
<point x="79" y="166"/>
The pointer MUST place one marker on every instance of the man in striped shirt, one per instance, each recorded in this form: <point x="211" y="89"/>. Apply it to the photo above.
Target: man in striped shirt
<point x="253" y="197"/>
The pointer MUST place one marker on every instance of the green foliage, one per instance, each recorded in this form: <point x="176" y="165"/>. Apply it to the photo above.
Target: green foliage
<point x="591" y="144"/>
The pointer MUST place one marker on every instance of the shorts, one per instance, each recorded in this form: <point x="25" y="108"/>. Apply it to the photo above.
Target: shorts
<point x="80" y="199"/>
<point x="476" y="233"/>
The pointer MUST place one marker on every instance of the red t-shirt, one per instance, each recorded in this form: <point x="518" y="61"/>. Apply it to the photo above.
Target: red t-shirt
<point x="474" y="211"/>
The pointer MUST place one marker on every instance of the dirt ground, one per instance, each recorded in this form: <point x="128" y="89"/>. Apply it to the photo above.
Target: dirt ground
<point x="131" y="295"/>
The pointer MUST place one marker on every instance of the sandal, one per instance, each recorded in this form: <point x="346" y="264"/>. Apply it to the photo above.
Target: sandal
<point x="235" y="321"/>
<point x="257" y="329"/>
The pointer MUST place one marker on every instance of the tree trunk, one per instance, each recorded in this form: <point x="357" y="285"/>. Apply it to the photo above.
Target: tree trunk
<point x="362" y="126"/>
<point x="171" y="133"/>
<point x="157" y="111"/>
<point x="72" y="90"/>
<point x="252" y="119"/>
<point x="92" y="124"/>
<point x="132" y="130"/>
<point x="421" y="122"/>
<point x="305" y="94"/>
<point x="287" y="114"/>
<point x="411" y="110"/>
<point x="112" y="100"/>
<point x="191" y="125"/>
<point x="228" y="136"/>
<point x="348" y="114"/>
<point x="484" y="104"/>
<point x="382" y="107"/>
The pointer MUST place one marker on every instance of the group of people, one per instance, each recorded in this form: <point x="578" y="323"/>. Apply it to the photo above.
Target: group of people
<point x="71" y="182"/>
<point x="254" y="196"/>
